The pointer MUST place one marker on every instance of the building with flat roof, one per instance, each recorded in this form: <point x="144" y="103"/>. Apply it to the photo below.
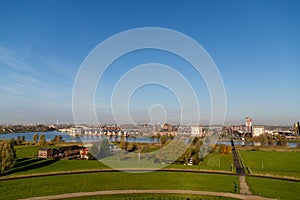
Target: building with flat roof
<point x="196" y="131"/>
<point x="258" y="131"/>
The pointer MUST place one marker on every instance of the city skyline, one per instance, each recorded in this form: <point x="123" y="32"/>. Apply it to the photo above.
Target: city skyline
<point x="255" y="46"/>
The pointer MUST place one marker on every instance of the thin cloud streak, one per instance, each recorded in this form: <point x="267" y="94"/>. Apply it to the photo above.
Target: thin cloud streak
<point x="10" y="59"/>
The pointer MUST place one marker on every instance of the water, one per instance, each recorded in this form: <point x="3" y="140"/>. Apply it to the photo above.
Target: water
<point x="69" y="138"/>
<point x="90" y="138"/>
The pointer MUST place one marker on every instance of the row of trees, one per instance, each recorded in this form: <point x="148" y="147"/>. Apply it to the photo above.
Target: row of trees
<point x="7" y="155"/>
<point x="41" y="140"/>
<point x="268" y="140"/>
<point x="25" y="128"/>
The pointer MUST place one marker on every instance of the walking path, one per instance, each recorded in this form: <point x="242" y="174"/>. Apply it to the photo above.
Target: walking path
<point x="113" y="192"/>
<point x="244" y="189"/>
<point x="240" y="171"/>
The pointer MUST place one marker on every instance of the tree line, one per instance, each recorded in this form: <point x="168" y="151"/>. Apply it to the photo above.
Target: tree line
<point x="7" y="155"/>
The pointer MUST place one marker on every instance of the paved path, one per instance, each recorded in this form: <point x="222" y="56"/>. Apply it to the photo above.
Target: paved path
<point x="236" y="161"/>
<point x="240" y="171"/>
<point x="244" y="189"/>
<point x="112" y="192"/>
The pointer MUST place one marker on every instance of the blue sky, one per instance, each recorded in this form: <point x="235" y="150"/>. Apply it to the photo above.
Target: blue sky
<point x="255" y="45"/>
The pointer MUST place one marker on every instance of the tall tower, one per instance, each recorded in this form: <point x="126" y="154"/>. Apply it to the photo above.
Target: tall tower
<point x="248" y="124"/>
<point x="297" y="128"/>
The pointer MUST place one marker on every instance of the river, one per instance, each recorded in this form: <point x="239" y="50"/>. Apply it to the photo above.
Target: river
<point x="90" y="138"/>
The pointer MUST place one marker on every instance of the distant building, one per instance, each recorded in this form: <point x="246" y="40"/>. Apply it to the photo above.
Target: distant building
<point x="62" y="152"/>
<point x="237" y="128"/>
<point x="45" y="153"/>
<point x="196" y="131"/>
<point x="167" y="127"/>
<point x="79" y="130"/>
<point x="297" y="128"/>
<point x="248" y="125"/>
<point x="258" y="130"/>
<point x="71" y="151"/>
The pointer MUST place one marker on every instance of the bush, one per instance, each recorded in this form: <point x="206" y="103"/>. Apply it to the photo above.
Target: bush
<point x="225" y="150"/>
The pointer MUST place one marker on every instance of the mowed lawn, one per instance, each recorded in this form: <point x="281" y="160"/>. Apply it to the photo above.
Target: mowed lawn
<point x="213" y="161"/>
<point x="30" y="187"/>
<point x="152" y="197"/>
<point x="272" y="162"/>
<point x="279" y="189"/>
<point x="28" y="163"/>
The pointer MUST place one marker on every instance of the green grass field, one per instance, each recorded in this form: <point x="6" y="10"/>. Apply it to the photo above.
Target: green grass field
<point x="213" y="161"/>
<point x="27" y="163"/>
<point x="262" y="162"/>
<point x="283" y="190"/>
<point x="27" y="151"/>
<point x="152" y="197"/>
<point x="272" y="162"/>
<point x="50" y="185"/>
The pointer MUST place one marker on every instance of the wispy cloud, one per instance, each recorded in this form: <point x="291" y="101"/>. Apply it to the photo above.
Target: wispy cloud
<point x="26" y="81"/>
<point x="22" y="77"/>
<point x="22" y="84"/>
<point x="12" y="90"/>
<point x="10" y="59"/>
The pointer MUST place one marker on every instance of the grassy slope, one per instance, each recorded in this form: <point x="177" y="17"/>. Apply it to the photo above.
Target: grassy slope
<point x="272" y="162"/>
<point x="114" y="180"/>
<point x="28" y="165"/>
<point x="274" y="188"/>
<point x="213" y="161"/>
<point x="153" y="197"/>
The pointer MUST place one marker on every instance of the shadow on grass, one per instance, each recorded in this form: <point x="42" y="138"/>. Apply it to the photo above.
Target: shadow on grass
<point x="29" y="165"/>
<point x="22" y="159"/>
<point x="26" y="162"/>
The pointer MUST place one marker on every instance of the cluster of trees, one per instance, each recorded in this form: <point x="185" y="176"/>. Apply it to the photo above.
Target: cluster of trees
<point x="225" y="150"/>
<point x="268" y="140"/>
<point x="172" y="151"/>
<point x="25" y="128"/>
<point x="41" y="140"/>
<point x="19" y="141"/>
<point x="7" y="155"/>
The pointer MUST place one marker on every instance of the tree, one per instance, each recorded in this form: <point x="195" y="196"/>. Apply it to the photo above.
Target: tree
<point x="225" y="150"/>
<point x="20" y="140"/>
<point x="195" y="140"/>
<point x="58" y="139"/>
<point x="124" y="145"/>
<point x="134" y="147"/>
<point x="12" y="148"/>
<point x="7" y="155"/>
<point x="264" y="140"/>
<point x="282" y="141"/>
<point x="100" y="149"/>
<point x="186" y="156"/>
<point x="43" y="141"/>
<point x="35" y="137"/>
<point x="173" y="151"/>
<point x="163" y="140"/>
<point x="198" y="145"/>
<point x="23" y="138"/>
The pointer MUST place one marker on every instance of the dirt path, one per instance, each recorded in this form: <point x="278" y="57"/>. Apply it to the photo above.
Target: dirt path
<point x="112" y="192"/>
